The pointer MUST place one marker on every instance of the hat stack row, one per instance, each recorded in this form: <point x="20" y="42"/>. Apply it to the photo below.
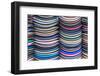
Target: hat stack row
<point x="84" y="37"/>
<point x="30" y="37"/>
<point x="70" y="37"/>
<point x="46" y="37"/>
<point x="57" y="37"/>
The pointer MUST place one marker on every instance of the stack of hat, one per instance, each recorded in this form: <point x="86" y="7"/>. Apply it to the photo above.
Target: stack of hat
<point x="84" y="37"/>
<point x="30" y="37"/>
<point x="70" y="37"/>
<point x="45" y="37"/>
